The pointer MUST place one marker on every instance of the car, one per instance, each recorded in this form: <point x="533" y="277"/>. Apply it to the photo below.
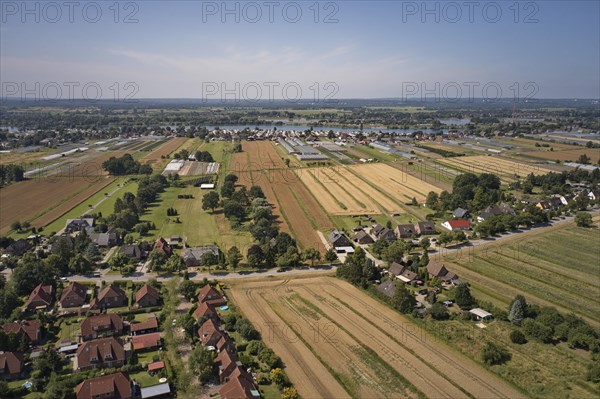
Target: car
<point x="423" y="291"/>
<point x="64" y="279"/>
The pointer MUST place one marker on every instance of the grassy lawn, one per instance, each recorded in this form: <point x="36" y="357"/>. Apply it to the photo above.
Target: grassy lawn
<point x="141" y="317"/>
<point x="68" y="331"/>
<point x="199" y="227"/>
<point x="376" y="154"/>
<point x="269" y="391"/>
<point x="147" y="357"/>
<point x="106" y="207"/>
<point x="145" y="379"/>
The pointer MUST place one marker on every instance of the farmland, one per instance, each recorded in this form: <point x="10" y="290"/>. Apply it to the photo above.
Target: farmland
<point x="566" y="155"/>
<point x="504" y="168"/>
<point x="51" y="196"/>
<point x="398" y="184"/>
<point x="154" y="157"/>
<point x="298" y="212"/>
<point x="565" y="277"/>
<point x="338" y="342"/>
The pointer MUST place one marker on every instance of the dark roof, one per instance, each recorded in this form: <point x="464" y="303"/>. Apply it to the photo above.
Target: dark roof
<point x="18" y="248"/>
<point x="387" y="287"/>
<point x="198" y="252"/>
<point x="396" y="269"/>
<point x="131" y="250"/>
<point x="437" y="269"/>
<point x="11" y="362"/>
<point x="363" y="237"/>
<point x="42" y="293"/>
<point x="30" y="328"/>
<point x="460" y="212"/>
<point x="405" y="230"/>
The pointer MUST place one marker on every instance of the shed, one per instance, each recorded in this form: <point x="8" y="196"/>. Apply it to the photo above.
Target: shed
<point x="156" y="390"/>
<point x="481" y="314"/>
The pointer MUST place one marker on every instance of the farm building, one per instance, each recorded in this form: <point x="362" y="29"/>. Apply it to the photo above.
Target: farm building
<point x="456" y="225"/>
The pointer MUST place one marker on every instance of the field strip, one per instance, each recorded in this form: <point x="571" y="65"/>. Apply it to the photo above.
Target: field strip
<point x="350" y="351"/>
<point x="368" y="190"/>
<point x="425" y="380"/>
<point x="360" y="197"/>
<point x="463" y="371"/>
<point x="310" y="377"/>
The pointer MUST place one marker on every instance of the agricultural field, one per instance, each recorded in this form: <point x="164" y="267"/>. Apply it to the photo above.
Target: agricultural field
<point x="549" y="267"/>
<point x="503" y="168"/>
<point x="565" y="155"/>
<point x="396" y="183"/>
<point x="298" y="211"/>
<point x="50" y="196"/>
<point x="154" y="158"/>
<point x="336" y="341"/>
<point x="193" y="168"/>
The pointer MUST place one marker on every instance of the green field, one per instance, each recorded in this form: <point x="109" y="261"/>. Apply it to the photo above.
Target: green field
<point x="558" y="267"/>
<point x="197" y="226"/>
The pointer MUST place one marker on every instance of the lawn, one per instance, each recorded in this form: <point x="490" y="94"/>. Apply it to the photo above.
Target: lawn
<point x="68" y="331"/>
<point x="269" y="391"/>
<point x="197" y="226"/>
<point x="106" y="207"/>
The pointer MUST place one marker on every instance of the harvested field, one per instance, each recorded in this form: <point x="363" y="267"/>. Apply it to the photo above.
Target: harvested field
<point x="342" y="193"/>
<point x="503" y="168"/>
<point x="48" y="197"/>
<point x="336" y="342"/>
<point x="567" y="155"/>
<point x="299" y="213"/>
<point x="396" y="183"/>
<point x="154" y="157"/>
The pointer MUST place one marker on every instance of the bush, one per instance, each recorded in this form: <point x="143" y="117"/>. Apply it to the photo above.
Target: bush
<point x="493" y="353"/>
<point x="517" y="337"/>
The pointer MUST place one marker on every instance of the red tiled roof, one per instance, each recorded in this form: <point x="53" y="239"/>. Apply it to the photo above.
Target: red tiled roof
<point x="149" y="323"/>
<point x="116" y="384"/>
<point x="11" y="362"/>
<point x="459" y="223"/>
<point x="239" y="386"/>
<point x="145" y="341"/>
<point x="204" y="309"/>
<point x="99" y="348"/>
<point x="31" y="328"/>
<point x="76" y="289"/>
<point x="101" y="323"/>
<point x="42" y="294"/>
<point x="146" y="290"/>
<point x="156" y="366"/>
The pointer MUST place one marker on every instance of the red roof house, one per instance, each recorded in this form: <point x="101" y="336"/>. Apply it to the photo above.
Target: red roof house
<point x="41" y="297"/>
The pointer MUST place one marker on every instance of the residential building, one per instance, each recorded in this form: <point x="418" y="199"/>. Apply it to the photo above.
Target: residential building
<point x="204" y="310"/>
<point x="425" y="228"/>
<point x="192" y="256"/>
<point x="74" y="225"/>
<point x="132" y="251"/>
<point x="112" y="296"/>
<point x="146" y="341"/>
<point x="435" y="269"/>
<point x="211" y="296"/>
<point x="41" y="297"/>
<point x="363" y="238"/>
<point x="147" y="326"/>
<point x="405" y="231"/>
<point x="161" y="245"/>
<point x="11" y="365"/>
<point x="31" y="329"/>
<point x="147" y="296"/>
<point x="239" y="386"/>
<point x="101" y="325"/>
<point x="339" y="240"/>
<point x="112" y="386"/>
<point x="100" y="353"/>
<point x="457" y="225"/>
<point x="73" y="296"/>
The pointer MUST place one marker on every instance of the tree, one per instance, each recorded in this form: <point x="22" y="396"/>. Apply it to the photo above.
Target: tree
<point x="493" y="353"/>
<point x="290" y="258"/>
<point x="80" y="265"/>
<point x="583" y="219"/>
<point x="403" y="300"/>
<point x="31" y="272"/>
<point x="201" y="363"/>
<point x="256" y="192"/>
<point x="158" y="260"/>
<point x="246" y="329"/>
<point x="289" y="393"/>
<point x="210" y="201"/>
<point x="187" y="288"/>
<point x="255" y="256"/>
<point x="311" y="254"/>
<point x="425" y="243"/>
<point x="118" y="261"/>
<point x="16" y="226"/>
<point x="233" y="209"/>
<point x="517" y="310"/>
<point x="276" y="375"/>
<point x="517" y="337"/>
<point x="331" y="256"/>
<point x="394" y="252"/>
<point x="463" y="296"/>
<point x="268" y="357"/>
<point x="438" y="311"/>
<point x="537" y="330"/>
<point x="9" y="301"/>
<point x="234" y="257"/>
<point x="254" y="347"/>
<point x="583" y="159"/>
<point x="432" y="200"/>
<point x="91" y="252"/>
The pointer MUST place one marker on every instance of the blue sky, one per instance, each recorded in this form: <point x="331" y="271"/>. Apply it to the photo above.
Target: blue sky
<point x="178" y="49"/>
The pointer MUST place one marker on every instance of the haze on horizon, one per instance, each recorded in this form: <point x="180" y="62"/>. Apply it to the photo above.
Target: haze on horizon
<point x="343" y="49"/>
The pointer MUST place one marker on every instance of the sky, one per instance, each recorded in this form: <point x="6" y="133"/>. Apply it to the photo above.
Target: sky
<point x="267" y="50"/>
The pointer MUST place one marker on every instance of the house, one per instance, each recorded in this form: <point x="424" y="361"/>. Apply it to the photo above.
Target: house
<point x="193" y="256"/>
<point x="100" y="353"/>
<point x="18" y="247"/>
<point x="65" y="241"/>
<point x="73" y="225"/>
<point x="226" y="361"/>
<point x="147" y="296"/>
<point x="457" y="224"/>
<point x="405" y="231"/>
<point x="386" y="234"/>
<point x="377" y="229"/>
<point x="425" y="228"/>
<point x="73" y="296"/>
<point x="481" y="314"/>
<point x="41" y="297"/>
<point x="435" y="269"/>
<point x="402" y="273"/>
<point x="112" y="296"/>
<point x="362" y="238"/>
<point x="161" y="245"/>
<point x="132" y="251"/>
<point x="109" y="239"/>
<point x="146" y="341"/>
<point x="11" y="365"/>
<point x="112" y="386"/>
<point x="100" y="325"/>
<point x="387" y="288"/>
<point x="210" y="333"/>
<point x="239" y="386"/>
<point x="149" y="325"/>
<point x="31" y="329"/>
<point x="204" y="310"/>
<point x="495" y="210"/>
<point x="461" y="213"/>
<point x="339" y="240"/>
<point x="211" y="296"/>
